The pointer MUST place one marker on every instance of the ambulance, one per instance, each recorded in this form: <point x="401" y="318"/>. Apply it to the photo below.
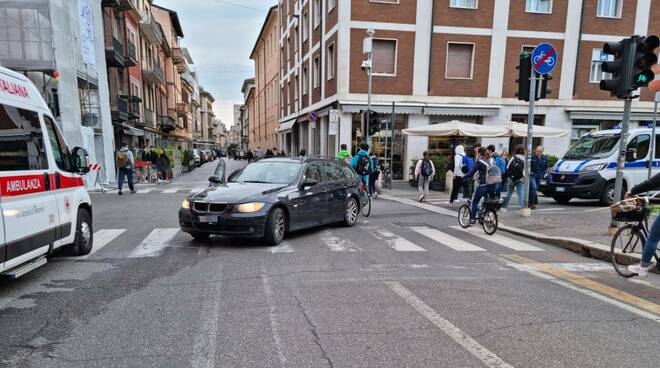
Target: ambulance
<point x="43" y="202"/>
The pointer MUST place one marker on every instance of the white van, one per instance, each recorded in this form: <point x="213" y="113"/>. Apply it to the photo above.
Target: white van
<point x="43" y="201"/>
<point x="588" y="169"/>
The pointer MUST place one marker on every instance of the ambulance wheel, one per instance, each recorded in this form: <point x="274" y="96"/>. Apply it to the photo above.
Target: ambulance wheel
<point x="84" y="236"/>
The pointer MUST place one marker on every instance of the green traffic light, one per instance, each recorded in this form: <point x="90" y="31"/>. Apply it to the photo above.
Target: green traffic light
<point x="642" y="79"/>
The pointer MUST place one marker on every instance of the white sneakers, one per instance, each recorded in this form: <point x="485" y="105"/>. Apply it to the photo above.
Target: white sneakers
<point x="640" y="270"/>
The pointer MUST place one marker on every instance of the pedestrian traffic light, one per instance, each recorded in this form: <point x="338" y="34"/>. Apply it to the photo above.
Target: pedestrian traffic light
<point x="620" y="68"/>
<point x="374" y="123"/>
<point x="545" y="90"/>
<point x="524" y="74"/>
<point x="644" y="59"/>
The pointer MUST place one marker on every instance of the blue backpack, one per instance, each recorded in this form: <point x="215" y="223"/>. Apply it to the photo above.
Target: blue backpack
<point x="499" y="161"/>
<point x="468" y="164"/>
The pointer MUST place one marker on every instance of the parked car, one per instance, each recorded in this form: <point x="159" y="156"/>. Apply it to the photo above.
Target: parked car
<point x="197" y="157"/>
<point x="271" y="197"/>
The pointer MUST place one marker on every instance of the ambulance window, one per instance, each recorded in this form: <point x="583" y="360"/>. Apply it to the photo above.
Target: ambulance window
<point x="21" y="140"/>
<point x="59" y="148"/>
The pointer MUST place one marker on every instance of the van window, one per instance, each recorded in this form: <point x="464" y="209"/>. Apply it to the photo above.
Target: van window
<point x="657" y="146"/>
<point x="59" y="148"/>
<point x="21" y="140"/>
<point x="641" y="143"/>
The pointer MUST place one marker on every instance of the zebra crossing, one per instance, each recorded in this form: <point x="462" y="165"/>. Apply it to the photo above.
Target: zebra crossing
<point x="414" y="238"/>
<point x="165" y="189"/>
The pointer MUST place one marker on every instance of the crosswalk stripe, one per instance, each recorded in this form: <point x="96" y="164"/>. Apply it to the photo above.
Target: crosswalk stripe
<point x="284" y="247"/>
<point x="197" y="190"/>
<point x="335" y="243"/>
<point x="171" y="190"/>
<point x="154" y="244"/>
<point x="501" y="240"/>
<point x="394" y="241"/>
<point x="447" y="240"/>
<point x="145" y="191"/>
<point x="103" y="238"/>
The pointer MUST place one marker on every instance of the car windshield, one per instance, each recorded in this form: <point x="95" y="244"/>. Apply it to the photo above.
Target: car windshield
<point x="268" y="172"/>
<point x="592" y="146"/>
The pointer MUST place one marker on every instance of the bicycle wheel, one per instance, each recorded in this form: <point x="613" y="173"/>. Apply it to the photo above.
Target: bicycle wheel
<point x="366" y="204"/>
<point x="464" y="216"/>
<point x="490" y="222"/>
<point x="628" y="240"/>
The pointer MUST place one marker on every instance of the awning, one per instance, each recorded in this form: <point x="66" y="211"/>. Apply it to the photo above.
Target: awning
<point x="520" y="130"/>
<point x="399" y="108"/>
<point x="132" y="131"/>
<point x="458" y="128"/>
<point x="286" y="126"/>
<point x="458" y="110"/>
<point x="608" y="113"/>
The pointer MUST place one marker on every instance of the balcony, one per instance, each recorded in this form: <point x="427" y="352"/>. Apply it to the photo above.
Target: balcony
<point x="114" y="54"/>
<point x="110" y="3"/>
<point x="167" y="124"/>
<point x="153" y="74"/>
<point x="133" y="107"/>
<point x="181" y="109"/>
<point x="119" y="111"/>
<point x="150" y="29"/>
<point x="130" y="5"/>
<point x="182" y="68"/>
<point x="177" y="56"/>
<point x="149" y="118"/>
<point x="90" y="119"/>
<point x="131" y="56"/>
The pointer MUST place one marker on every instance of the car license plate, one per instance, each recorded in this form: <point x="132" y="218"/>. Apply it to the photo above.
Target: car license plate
<point x="560" y="189"/>
<point x="209" y="219"/>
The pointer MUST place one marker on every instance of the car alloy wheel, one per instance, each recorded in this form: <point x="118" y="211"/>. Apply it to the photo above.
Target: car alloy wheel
<point x="85" y="233"/>
<point x="351" y="211"/>
<point x="280" y="225"/>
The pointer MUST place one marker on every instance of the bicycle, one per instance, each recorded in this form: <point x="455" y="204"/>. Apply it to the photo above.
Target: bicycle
<point x="365" y="201"/>
<point x="486" y="214"/>
<point x="145" y="174"/>
<point x="630" y="239"/>
<point x="387" y="175"/>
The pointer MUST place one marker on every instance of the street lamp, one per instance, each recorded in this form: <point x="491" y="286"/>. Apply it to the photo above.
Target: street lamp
<point x="367" y="49"/>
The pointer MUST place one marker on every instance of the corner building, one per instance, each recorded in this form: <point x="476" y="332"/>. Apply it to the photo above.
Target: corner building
<point x="440" y="60"/>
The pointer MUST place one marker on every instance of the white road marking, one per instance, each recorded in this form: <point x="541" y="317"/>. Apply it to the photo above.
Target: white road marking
<point x="394" y="241"/>
<point x="499" y="239"/>
<point x="274" y="326"/>
<point x="206" y="345"/>
<point x="447" y="240"/>
<point x="171" y="190"/>
<point x="584" y="267"/>
<point x="428" y="207"/>
<point x="335" y="243"/>
<point x="112" y="191"/>
<point x="145" y="190"/>
<point x="532" y="271"/>
<point x="101" y="239"/>
<point x="154" y="244"/>
<point x="643" y="282"/>
<point x="284" y="247"/>
<point x="198" y="189"/>
<point x="489" y="358"/>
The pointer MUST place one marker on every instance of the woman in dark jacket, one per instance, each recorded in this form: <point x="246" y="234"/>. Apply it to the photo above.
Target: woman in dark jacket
<point x="481" y="166"/>
<point x="163" y="164"/>
<point x="651" y="245"/>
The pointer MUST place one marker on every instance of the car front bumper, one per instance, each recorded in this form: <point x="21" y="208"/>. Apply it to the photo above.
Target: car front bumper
<point x="234" y="225"/>
<point x="585" y="185"/>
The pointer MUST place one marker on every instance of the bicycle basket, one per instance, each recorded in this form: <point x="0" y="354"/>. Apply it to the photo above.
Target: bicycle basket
<point x="629" y="210"/>
<point x="492" y="204"/>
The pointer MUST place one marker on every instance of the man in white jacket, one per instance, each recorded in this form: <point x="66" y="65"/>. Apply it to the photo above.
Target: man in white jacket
<point x="459" y="164"/>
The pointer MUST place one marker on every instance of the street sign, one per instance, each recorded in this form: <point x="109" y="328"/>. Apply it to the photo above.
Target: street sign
<point x="334" y="116"/>
<point x="312" y="116"/>
<point x="544" y="58"/>
<point x="333" y="128"/>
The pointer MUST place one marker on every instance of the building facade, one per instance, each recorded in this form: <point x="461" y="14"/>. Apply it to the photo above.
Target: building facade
<point x="265" y="56"/>
<point x="248" y="105"/>
<point x="436" y="61"/>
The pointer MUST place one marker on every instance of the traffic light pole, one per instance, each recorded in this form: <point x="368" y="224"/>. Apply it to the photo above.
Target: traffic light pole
<point x="526" y="212"/>
<point x="621" y="160"/>
<point x="653" y="140"/>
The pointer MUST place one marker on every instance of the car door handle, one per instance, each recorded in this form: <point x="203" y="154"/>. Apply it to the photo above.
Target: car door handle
<point x="47" y="181"/>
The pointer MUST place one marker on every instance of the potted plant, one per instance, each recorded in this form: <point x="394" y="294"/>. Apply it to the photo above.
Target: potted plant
<point x="187" y="161"/>
<point x="438" y="182"/>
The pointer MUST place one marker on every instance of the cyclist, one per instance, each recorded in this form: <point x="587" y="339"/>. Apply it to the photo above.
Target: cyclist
<point x="651" y="245"/>
<point x="484" y="188"/>
<point x="344" y="155"/>
<point x="363" y="164"/>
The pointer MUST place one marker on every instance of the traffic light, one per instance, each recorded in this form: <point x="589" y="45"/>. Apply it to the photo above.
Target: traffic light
<point x="619" y="85"/>
<point x="644" y="59"/>
<point x="374" y="123"/>
<point x="545" y="90"/>
<point x="524" y="73"/>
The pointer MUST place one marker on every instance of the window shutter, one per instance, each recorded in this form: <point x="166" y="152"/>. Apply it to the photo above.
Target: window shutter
<point x="384" y="54"/>
<point x="459" y="60"/>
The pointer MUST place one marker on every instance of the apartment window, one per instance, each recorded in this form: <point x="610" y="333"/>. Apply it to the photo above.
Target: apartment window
<point x="288" y="102"/>
<point x="305" y="80"/>
<point x="467" y="4"/>
<point x="597" y="59"/>
<point x="295" y="39"/>
<point x="288" y="47"/>
<point x="331" y="5"/>
<point x="295" y="88"/>
<point x="317" y="13"/>
<point x="330" y="64"/>
<point x="538" y="6"/>
<point x="460" y="57"/>
<point x="609" y="8"/>
<point x="317" y="72"/>
<point x="305" y="26"/>
<point x="384" y="57"/>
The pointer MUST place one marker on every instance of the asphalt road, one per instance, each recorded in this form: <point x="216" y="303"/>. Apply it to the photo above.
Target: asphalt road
<point x="403" y="288"/>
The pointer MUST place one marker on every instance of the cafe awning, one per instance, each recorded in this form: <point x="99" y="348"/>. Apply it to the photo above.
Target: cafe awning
<point x="286" y="126"/>
<point x="456" y="128"/>
<point x="520" y="130"/>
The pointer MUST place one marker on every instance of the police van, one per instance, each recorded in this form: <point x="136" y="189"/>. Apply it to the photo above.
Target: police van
<point x="43" y="202"/>
<point x="588" y="169"/>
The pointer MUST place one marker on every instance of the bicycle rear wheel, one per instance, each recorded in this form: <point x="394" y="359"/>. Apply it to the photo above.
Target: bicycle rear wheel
<point x="366" y="205"/>
<point x="490" y="222"/>
<point x="464" y="216"/>
<point x="628" y="240"/>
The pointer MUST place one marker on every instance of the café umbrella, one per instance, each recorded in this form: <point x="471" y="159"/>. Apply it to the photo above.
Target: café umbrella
<point x="456" y="128"/>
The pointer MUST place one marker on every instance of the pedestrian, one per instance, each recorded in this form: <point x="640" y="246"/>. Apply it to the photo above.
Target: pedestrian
<point x="496" y="159"/>
<point x="269" y="154"/>
<point x="363" y="165"/>
<point x="424" y="172"/>
<point x="461" y="167"/>
<point x="125" y="164"/>
<point x="373" y="177"/>
<point x="539" y="170"/>
<point x="249" y="156"/>
<point x="515" y="173"/>
<point x="302" y="153"/>
<point x="476" y="148"/>
<point x="344" y="155"/>
<point x="258" y="153"/>
<point x="484" y="188"/>
<point x="163" y="164"/>
<point x="651" y="245"/>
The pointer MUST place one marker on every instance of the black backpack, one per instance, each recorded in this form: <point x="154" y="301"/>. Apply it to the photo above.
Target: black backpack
<point x="363" y="166"/>
<point x="516" y="169"/>
<point x="427" y="169"/>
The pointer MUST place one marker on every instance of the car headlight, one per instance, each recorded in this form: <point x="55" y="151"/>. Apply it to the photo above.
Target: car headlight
<point x="250" y="207"/>
<point x="593" y="167"/>
<point x="185" y="204"/>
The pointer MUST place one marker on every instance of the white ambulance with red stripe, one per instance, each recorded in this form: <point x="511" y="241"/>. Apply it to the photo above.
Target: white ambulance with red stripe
<point x="43" y="201"/>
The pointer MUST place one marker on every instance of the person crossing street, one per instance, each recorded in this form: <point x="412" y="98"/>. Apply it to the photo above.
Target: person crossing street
<point x="125" y="165"/>
<point x="424" y="172"/>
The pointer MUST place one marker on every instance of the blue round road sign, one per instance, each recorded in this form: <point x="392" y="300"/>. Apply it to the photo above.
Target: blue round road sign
<point x="544" y="58"/>
<point x="312" y="116"/>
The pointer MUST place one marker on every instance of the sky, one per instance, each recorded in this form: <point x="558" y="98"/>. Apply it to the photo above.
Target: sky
<point x="220" y="35"/>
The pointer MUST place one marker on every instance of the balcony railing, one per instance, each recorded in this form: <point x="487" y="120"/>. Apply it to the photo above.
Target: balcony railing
<point x="133" y="107"/>
<point x="177" y="56"/>
<point x="119" y="110"/>
<point x="149" y="118"/>
<point x="114" y="54"/>
<point x="153" y="73"/>
<point x="167" y="124"/>
<point x="131" y="55"/>
<point x="150" y="29"/>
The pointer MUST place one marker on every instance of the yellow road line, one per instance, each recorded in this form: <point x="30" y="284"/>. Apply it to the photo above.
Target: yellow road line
<point x="587" y="283"/>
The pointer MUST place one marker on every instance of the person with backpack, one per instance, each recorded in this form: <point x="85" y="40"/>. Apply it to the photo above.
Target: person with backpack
<point x="501" y="164"/>
<point x="539" y="170"/>
<point x="125" y="165"/>
<point x="343" y="154"/>
<point x="373" y="177"/>
<point x="424" y="172"/>
<point x="462" y="165"/>
<point x="515" y="173"/>
<point x="489" y="176"/>
<point x="362" y="164"/>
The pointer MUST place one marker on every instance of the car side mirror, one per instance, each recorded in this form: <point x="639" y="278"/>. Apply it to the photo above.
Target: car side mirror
<point x="215" y="179"/>
<point x="631" y="154"/>
<point x="80" y="160"/>
<point x="308" y="183"/>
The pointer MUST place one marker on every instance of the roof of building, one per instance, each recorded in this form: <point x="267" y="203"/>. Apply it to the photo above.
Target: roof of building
<point x="175" y="20"/>
<point x="272" y="12"/>
<point x="246" y="83"/>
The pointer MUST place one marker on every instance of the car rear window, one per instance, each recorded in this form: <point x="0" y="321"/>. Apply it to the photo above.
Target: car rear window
<point x="21" y="140"/>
